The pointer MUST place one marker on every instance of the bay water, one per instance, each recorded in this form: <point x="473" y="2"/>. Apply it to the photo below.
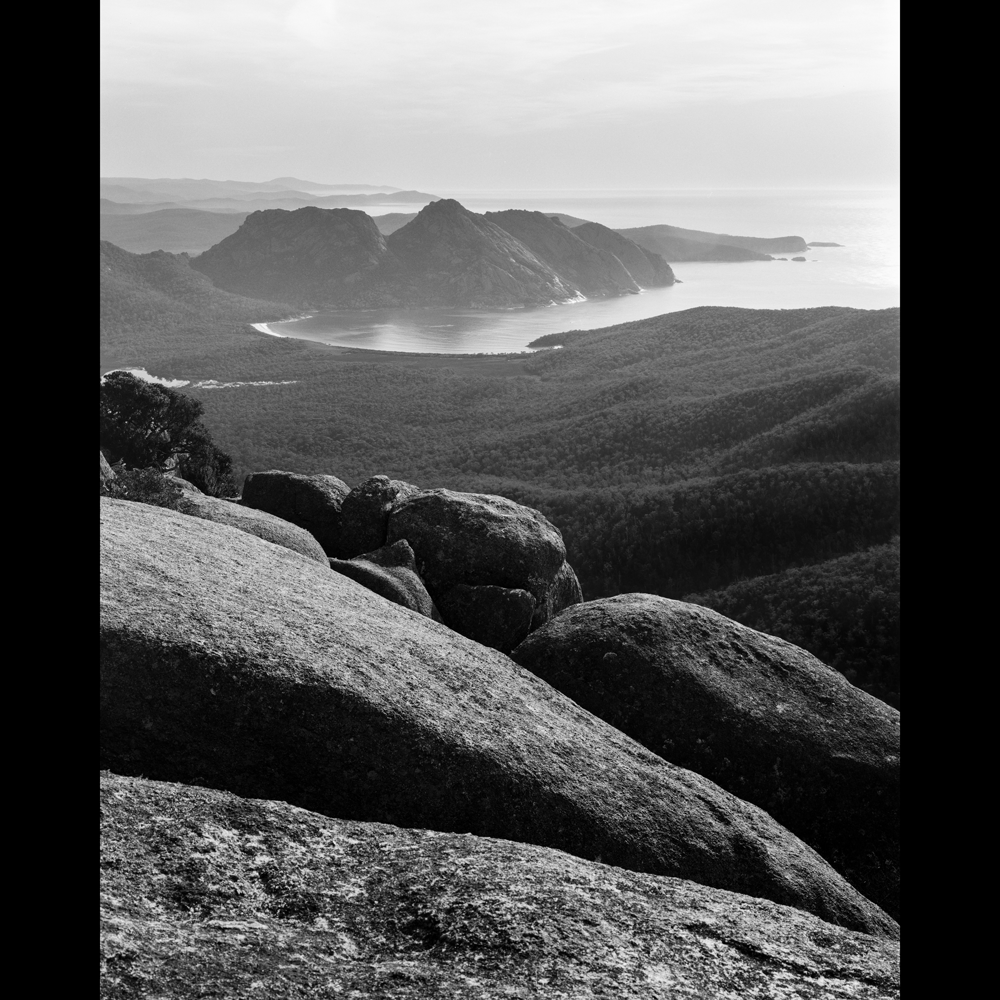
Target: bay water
<point x="863" y="272"/>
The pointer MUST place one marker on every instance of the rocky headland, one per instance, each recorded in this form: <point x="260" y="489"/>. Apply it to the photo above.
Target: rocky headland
<point x="648" y="268"/>
<point x="595" y="272"/>
<point x="272" y="698"/>
<point x="676" y="240"/>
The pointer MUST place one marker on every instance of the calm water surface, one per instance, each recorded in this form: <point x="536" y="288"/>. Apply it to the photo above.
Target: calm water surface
<point x="864" y="273"/>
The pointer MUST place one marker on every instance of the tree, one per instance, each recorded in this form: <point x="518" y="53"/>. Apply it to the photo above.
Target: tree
<point x="150" y="426"/>
<point x="205" y="465"/>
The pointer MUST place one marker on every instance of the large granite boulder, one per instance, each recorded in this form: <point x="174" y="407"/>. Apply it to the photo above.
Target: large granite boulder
<point x="184" y="485"/>
<point x="564" y="592"/>
<point x="255" y="522"/>
<point x="364" y="515"/>
<point x="498" y="617"/>
<point x="391" y="572"/>
<point x="229" y="662"/>
<point x="207" y="894"/>
<point x="757" y="715"/>
<point x="311" y="502"/>
<point x="107" y="473"/>
<point x="478" y="539"/>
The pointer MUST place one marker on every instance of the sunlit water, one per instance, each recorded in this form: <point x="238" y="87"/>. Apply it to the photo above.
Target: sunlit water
<point x="863" y="273"/>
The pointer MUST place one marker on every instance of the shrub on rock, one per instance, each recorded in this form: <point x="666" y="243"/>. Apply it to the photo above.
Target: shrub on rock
<point x="311" y="502"/>
<point x="759" y="716"/>
<point x="149" y="486"/>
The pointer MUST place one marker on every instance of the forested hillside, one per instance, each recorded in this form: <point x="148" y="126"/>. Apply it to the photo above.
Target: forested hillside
<point x="845" y="611"/>
<point x="154" y="307"/>
<point x="679" y="455"/>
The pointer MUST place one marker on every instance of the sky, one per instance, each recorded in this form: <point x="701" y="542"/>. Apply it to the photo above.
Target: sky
<point x="447" y="95"/>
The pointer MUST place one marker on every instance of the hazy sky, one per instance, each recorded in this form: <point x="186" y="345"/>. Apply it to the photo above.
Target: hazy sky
<point x="447" y="95"/>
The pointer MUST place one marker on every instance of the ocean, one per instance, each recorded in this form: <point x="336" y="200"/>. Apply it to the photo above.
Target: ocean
<point x="862" y="273"/>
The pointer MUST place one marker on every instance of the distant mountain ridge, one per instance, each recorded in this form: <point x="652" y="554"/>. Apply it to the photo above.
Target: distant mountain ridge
<point x="138" y="196"/>
<point x="283" y="192"/>
<point x="175" y="230"/>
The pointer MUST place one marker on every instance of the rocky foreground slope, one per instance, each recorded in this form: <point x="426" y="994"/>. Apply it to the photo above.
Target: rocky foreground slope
<point x="241" y="664"/>
<point x="237" y="658"/>
<point x="207" y="894"/>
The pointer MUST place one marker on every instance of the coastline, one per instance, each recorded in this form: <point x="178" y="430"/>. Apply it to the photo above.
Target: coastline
<point x="266" y="328"/>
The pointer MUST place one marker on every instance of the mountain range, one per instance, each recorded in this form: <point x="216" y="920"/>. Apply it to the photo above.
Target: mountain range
<point x="446" y="255"/>
<point x="138" y="195"/>
<point x="142" y="215"/>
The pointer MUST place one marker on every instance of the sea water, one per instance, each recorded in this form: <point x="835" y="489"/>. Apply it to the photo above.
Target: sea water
<point x="862" y="273"/>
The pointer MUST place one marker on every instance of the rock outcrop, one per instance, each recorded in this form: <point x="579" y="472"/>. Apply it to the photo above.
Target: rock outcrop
<point x="478" y="539"/>
<point x="365" y="514"/>
<point x="254" y="522"/>
<point x="759" y="716"/>
<point x="391" y="572"/>
<point x="498" y="617"/>
<point x="312" y="502"/>
<point x="564" y="591"/>
<point x="594" y="271"/>
<point x="649" y="269"/>
<point x="107" y="473"/>
<point x="207" y="894"/>
<point x="184" y="485"/>
<point x="230" y="662"/>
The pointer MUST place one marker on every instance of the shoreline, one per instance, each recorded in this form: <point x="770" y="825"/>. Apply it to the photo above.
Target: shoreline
<point x="264" y="328"/>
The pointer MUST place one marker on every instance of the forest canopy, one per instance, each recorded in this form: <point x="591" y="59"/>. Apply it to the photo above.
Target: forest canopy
<point x="679" y="455"/>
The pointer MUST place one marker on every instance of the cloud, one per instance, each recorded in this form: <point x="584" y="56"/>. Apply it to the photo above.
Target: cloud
<point x="485" y="67"/>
